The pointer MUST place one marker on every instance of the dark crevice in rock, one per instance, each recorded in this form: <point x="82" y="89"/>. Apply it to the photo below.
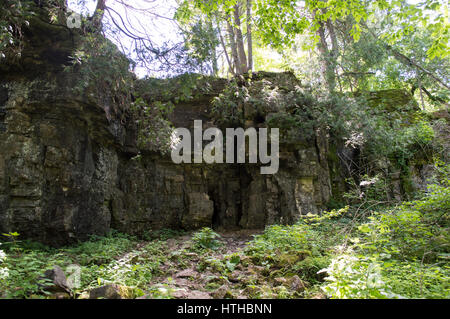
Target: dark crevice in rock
<point x="3" y="99"/>
<point x="216" y="213"/>
<point x="3" y="95"/>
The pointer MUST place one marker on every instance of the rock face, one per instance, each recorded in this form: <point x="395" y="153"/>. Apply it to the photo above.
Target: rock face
<point x="67" y="166"/>
<point x="155" y="193"/>
<point x="58" y="164"/>
<point x="66" y="173"/>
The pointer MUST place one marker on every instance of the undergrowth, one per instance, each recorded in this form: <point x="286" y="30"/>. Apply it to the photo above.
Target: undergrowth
<point x="397" y="251"/>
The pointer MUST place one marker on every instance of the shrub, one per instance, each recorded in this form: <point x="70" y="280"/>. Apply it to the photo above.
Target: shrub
<point x="352" y="277"/>
<point x="400" y="253"/>
<point x="206" y="238"/>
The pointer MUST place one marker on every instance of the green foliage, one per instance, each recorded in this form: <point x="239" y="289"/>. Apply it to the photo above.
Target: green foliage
<point x="183" y="88"/>
<point x="388" y="135"/>
<point x="23" y="273"/>
<point x="232" y="261"/>
<point x="154" y="129"/>
<point x="400" y="253"/>
<point x="325" y="216"/>
<point x="9" y="26"/>
<point x="413" y="230"/>
<point x="101" y="71"/>
<point x="201" y="37"/>
<point x="398" y="142"/>
<point x="16" y="17"/>
<point x="355" y="276"/>
<point x="282" y="105"/>
<point x="280" y="238"/>
<point x="206" y="238"/>
<point x="213" y="264"/>
<point x="201" y="45"/>
<point x="101" y="250"/>
<point x="155" y="101"/>
<point x="103" y="260"/>
<point x="280" y="21"/>
<point x="301" y="249"/>
<point x="401" y="234"/>
<point x="348" y="277"/>
<point x="134" y="269"/>
<point x="228" y="106"/>
<point x="417" y="280"/>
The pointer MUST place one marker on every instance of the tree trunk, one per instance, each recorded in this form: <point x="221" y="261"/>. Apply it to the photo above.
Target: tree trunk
<point x="249" y="35"/>
<point x="329" y="66"/>
<point x="99" y="14"/>
<point x="419" y="80"/>
<point x="240" y="41"/>
<point x="215" y="68"/>
<point x="234" y="52"/>
<point x="406" y="60"/>
<point x="230" y="64"/>
<point x="334" y="53"/>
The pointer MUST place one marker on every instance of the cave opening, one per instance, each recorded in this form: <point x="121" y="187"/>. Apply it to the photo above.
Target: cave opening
<point x="216" y="212"/>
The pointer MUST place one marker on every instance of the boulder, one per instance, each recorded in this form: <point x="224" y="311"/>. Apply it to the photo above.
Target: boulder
<point x="55" y="281"/>
<point x="297" y="284"/>
<point x="187" y="273"/>
<point x="112" y="291"/>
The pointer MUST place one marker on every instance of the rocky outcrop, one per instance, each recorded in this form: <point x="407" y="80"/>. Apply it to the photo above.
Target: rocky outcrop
<point x="112" y="291"/>
<point x="58" y="164"/>
<point x="68" y="164"/>
<point x="68" y="167"/>
<point x="66" y="173"/>
<point x="154" y="192"/>
<point x="55" y="281"/>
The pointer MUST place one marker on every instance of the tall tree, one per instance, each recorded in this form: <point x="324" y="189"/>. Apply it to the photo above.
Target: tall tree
<point x="99" y="13"/>
<point x="229" y="15"/>
<point x="243" y="63"/>
<point x="280" y="21"/>
<point x="249" y="35"/>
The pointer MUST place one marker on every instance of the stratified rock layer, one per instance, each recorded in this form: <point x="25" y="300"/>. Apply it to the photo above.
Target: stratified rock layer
<point x="65" y="174"/>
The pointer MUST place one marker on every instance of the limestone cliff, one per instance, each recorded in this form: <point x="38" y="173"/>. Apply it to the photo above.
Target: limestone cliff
<point x="68" y="165"/>
<point x="67" y="169"/>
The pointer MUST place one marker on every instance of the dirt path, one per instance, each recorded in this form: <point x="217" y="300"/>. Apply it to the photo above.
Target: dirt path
<point x="195" y="275"/>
